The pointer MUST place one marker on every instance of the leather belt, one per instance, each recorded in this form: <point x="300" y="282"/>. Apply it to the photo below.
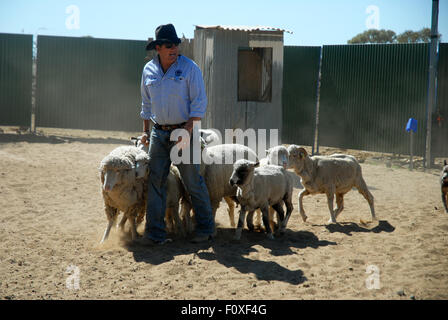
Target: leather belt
<point x="168" y="127"/>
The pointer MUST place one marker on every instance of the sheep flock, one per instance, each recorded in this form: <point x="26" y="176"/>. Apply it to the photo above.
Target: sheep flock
<point x="255" y="185"/>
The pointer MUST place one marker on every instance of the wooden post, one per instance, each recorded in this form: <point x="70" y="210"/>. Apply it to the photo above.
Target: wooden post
<point x="431" y="99"/>
<point x="411" y="163"/>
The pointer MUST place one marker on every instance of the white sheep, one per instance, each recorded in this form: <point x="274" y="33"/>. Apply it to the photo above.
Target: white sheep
<point x="332" y="175"/>
<point x="259" y="188"/>
<point x="216" y="169"/>
<point x="279" y="156"/>
<point x="123" y="173"/>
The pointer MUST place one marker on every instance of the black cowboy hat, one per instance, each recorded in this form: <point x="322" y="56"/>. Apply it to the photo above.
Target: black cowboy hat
<point x="164" y="34"/>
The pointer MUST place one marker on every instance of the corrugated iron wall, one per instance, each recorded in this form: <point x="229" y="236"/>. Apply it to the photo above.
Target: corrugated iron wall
<point x="440" y="123"/>
<point x="368" y="93"/>
<point x="300" y="79"/>
<point x="16" y="59"/>
<point x="87" y="83"/>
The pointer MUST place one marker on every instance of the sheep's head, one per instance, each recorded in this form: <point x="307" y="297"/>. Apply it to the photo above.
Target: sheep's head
<point x="297" y="156"/>
<point x="243" y="171"/>
<point x="116" y="170"/>
<point x="141" y="165"/>
<point x="279" y="156"/>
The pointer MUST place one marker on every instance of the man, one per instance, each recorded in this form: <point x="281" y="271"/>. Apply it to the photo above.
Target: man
<point x="173" y="96"/>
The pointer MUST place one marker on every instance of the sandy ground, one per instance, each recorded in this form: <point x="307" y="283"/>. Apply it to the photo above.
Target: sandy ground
<point x="52" y="219"/>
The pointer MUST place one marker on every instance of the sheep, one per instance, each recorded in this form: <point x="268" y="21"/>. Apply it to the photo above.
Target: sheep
<point x="123" y="173"/>
<point x="261" y="187"/>
<point x="334" y="174"/>
<point x="175" y="193"/>
<point x="216" y="169"/>
<point x="444" y="185"/>
<point x="279" y="156"/>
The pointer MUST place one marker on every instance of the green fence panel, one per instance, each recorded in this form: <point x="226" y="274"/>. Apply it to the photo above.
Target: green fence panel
<point x="16" y="60"/>
<point x="87" y="83"/>
<point x="439" y="131"/>
<point x="368" y="93"/>
<point x="300" y="79"/>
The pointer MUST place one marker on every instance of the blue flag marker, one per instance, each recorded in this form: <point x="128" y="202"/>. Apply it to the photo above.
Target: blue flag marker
<point x="412" y="125"/>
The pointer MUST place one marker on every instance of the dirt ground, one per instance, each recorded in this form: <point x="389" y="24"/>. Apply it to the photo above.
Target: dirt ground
<point x="52" y="219"/>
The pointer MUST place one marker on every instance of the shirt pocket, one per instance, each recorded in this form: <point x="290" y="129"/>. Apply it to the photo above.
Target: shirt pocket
<point x="179" y="86"/>
<point x="153" y="88"/>
<point x="152" y="83"/>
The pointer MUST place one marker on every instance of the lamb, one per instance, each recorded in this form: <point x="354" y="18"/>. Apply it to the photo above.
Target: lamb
<point x="123" y="173"/>
<point x="333" y="175"/>
<point x="444" y="185"/>
<point x="261" y="187"/>
<point x="216" y="169"/>
<point x="279" y="156"/>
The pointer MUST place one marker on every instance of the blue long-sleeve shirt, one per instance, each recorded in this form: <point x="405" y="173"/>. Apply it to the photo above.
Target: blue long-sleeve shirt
<point x="175" y="96"/>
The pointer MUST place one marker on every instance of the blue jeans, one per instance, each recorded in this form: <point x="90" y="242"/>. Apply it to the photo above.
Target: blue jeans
<point x="159" y="166"/>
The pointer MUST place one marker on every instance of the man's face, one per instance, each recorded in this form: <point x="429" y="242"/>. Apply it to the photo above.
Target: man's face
<point x="168" y="52"/>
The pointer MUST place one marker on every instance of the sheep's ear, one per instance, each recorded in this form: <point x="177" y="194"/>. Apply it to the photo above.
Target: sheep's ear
<point x="257" y="164"/>
<point x="302" y="153"/>
<point x="267" y="151"/>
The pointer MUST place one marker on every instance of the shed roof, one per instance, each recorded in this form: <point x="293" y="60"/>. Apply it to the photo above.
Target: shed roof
<point x="242" y="28"/>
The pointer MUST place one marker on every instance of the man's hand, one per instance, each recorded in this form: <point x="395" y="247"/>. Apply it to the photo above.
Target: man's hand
<point x="145" y="139"/>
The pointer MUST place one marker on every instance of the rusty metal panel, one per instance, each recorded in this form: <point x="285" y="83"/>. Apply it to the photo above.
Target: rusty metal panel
<point x="88" y="83"/>
<point x="16" y="60"/>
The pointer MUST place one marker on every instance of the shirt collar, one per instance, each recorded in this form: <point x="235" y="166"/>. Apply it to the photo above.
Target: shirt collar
<point x="157" y="60"/>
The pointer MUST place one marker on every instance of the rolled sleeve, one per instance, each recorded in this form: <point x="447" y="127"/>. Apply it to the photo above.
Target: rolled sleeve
<point x="145" y="112"/>
<point x="198" y="97"/>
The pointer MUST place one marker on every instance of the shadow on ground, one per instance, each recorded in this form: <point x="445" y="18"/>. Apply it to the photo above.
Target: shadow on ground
<point x="349" y="227"/>
<point x="234" y="254"/>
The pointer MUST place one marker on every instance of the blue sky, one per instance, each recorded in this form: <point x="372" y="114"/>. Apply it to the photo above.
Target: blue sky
<point x="318" y="22"/>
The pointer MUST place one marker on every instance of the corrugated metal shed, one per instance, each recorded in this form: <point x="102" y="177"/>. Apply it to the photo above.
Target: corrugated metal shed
<point x="217" y="51"/>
